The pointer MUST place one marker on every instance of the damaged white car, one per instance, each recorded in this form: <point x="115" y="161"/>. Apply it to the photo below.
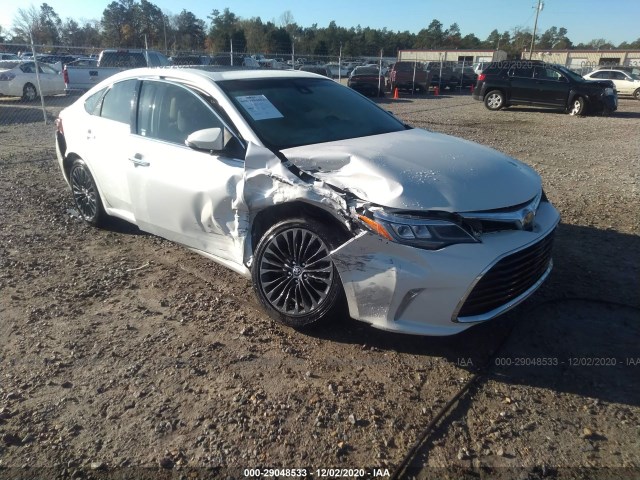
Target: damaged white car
<point x="319" y="196"/>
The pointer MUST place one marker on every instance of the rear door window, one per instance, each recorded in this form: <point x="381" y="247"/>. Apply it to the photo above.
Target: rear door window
<point x="521" y="72"/>
<point x="118" y="101"/>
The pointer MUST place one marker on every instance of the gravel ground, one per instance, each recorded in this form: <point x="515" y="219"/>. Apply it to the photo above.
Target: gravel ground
<point x="124" y="355"/>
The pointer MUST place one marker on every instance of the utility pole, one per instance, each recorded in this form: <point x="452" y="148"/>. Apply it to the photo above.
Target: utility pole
<point x="164" y="27"/>
<point x="535" y="27"/>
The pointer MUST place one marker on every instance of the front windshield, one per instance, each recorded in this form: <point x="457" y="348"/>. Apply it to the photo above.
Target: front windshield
<point x="570" y="74"/>
<point x="635" y="76"/>
<point x="289" y="112"/>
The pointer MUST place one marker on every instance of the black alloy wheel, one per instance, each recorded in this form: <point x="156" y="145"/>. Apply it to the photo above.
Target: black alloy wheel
<point x="85" y="193"/>
<point x="293" y="274"/>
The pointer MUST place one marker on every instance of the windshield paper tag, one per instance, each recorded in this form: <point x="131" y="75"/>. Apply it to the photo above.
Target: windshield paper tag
<point x="259" y="107"/>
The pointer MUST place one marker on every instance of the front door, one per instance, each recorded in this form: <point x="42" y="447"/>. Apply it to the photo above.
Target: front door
<point x="552" y="86"/>
<point x="177" y="192"/>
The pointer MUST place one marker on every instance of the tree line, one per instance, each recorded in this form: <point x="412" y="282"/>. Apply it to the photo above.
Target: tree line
<point x="132" y="24"/>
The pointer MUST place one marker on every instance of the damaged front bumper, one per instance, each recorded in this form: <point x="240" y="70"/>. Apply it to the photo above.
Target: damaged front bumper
<point x="442" y="292"/>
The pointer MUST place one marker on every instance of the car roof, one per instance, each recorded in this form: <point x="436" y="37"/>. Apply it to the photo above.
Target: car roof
<point x="213" y="73"/>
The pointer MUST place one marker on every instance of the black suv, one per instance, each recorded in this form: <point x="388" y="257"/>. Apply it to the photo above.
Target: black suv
<point x="541" y="84"/>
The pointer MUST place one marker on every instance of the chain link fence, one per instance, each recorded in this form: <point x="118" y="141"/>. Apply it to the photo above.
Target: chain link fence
<point x="34" y="88"/>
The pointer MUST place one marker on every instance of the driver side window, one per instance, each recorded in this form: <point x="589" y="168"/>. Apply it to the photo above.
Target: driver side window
<point x="171" y="112"/>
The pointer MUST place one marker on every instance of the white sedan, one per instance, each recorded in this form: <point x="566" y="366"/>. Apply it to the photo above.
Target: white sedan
<point x="315" y="193"/>
<point x="19" y="79"/>
<point x="338" y="70"/>
<point x="626" y="83"/>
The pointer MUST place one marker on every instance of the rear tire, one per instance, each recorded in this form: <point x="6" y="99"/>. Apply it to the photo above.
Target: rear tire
<point x="577" y="106"/>
<point x="494" y="100"/>
<point x="293" y="275"/>
<point x="85" y="194"/>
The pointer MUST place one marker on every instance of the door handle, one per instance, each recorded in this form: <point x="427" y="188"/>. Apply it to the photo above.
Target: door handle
<point x="138" y="161"/>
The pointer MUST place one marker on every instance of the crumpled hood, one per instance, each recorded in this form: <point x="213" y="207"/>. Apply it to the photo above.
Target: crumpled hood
<point x="420" y="170"/>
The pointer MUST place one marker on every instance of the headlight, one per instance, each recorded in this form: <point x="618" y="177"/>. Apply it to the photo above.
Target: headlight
<point x="416" y="231"/>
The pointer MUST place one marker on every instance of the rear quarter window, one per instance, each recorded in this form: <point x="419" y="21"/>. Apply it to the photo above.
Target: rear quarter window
<point x="92" y="103"/>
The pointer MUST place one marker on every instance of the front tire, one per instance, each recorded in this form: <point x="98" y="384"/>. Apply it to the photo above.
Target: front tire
<point x="85" y="193"/>
<point x="293" y="275"/>
<point x="577" y="106"/>
<point x="636" y="94"/>
<point x="29" y="92"/>
<point x="494" y="100"/>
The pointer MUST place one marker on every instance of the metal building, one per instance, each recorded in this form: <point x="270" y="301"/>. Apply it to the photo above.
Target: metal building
<point x="453" y="56"/>
<point x="587" y="60"/>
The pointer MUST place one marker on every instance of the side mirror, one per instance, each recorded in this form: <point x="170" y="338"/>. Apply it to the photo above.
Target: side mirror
<point x="209" y="139"/>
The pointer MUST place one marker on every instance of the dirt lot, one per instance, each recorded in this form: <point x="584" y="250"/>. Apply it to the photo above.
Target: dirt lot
<point x="125" y="356"/>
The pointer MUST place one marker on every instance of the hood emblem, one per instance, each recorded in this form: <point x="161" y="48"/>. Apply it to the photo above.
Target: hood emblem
<point x="527" y="219"/>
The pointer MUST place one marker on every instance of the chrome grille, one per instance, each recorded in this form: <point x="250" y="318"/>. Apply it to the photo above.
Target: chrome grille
<point x="509" y="278"/>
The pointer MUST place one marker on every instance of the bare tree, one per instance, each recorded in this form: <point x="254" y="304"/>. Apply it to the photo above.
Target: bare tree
<point x="26" y="23"/>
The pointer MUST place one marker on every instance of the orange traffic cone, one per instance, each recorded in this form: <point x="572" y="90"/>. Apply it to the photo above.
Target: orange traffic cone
<point x="395" y="94"/>
<point x="436" y="90"/>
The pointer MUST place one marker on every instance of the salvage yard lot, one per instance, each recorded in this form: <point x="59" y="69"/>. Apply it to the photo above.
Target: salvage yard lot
<point x="122" y="350"/>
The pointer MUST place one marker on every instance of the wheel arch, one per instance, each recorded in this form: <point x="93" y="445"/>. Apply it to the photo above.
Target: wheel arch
<point x="502" y="90"/>
<point x="576" y="93"/>
<point x="269" y="216"/>
<point x="67" y="163"/>
<point x="68" y="160"/>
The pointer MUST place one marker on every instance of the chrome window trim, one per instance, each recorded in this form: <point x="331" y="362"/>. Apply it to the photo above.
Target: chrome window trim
<point x="521" y="217"/>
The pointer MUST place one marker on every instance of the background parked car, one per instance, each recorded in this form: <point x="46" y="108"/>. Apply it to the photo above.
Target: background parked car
<point x="110" y="62"/>
<point x="465" y="76"/>
<point x="319" y="69"/>
<point x="543" y="85"/>
<point x="53" y="59"/>
<point x="191" y="60"/>
<point x="409" y="76"/>
<point x="84" y="62"/>
<point x="626" y="83"/>
<point x="18" y="79"/>
<point x="8" y="56"/>
<point x="337" y="70"/>
<point x="367" y="80"/>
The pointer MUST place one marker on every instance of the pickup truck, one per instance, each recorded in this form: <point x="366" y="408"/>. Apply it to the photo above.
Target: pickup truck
<point x="110" y="62"/>
<point x="409" y="76"/>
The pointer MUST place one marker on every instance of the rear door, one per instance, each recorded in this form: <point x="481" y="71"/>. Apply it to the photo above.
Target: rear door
<point x="109" y="132"/>
<point x="523" y="87"/>
<point x="50" y="79"/>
